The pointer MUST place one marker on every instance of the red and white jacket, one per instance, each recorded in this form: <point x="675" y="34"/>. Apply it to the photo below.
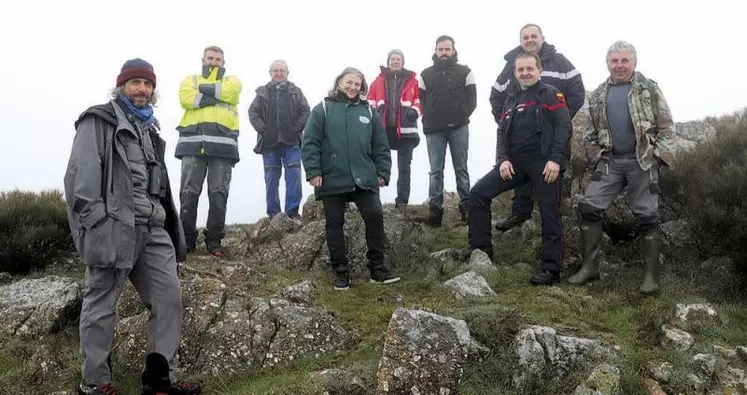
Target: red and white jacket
<point x="409" y="110"/>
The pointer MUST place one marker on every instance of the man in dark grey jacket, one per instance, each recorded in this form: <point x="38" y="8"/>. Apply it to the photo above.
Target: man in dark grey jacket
<point x="125" y="225"/>
<point x="278" y="113"/>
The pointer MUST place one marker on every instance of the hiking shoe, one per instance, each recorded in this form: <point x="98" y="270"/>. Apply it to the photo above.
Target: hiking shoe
<point x="215" y="249"/>
<point x="383" y="276"/>
<point x="545" y="277"/>
<point x="342" y="282"/>
<point x="98" y="389"/>
<point x="510" y="222"/>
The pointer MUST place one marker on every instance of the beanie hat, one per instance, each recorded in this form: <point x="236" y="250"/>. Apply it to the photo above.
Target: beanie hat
<point x="136" y="68"/>
<point x="395" y="52"/>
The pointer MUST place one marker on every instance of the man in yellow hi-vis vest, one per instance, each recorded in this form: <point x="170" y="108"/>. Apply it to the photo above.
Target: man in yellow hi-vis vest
<point x="208" y="145"/>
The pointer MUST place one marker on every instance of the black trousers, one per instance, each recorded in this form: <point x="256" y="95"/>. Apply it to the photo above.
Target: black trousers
<point x="404" y="147"/>
<point x="528" y="174"/>
<point x="369" y="205"/>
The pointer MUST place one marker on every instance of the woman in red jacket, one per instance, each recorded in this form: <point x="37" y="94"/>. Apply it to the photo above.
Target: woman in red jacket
<point x="394" y="93"/>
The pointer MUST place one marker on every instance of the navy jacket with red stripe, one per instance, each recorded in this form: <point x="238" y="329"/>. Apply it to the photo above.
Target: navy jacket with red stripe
<point x="554" y="118"/>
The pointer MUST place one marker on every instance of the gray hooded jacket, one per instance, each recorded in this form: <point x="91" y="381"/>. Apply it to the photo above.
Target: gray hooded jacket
<point x="99" y="191"/>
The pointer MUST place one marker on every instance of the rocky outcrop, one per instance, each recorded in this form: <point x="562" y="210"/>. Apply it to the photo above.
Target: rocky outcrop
<point x="294" y="245"/>
<point x="541" y="349"/>
<point x="424" y="353"/>
<point x="469" y="285"/>
<point x="603" y="380"/>
<point x="32" y="308"/>
<point x="226" y="332"/>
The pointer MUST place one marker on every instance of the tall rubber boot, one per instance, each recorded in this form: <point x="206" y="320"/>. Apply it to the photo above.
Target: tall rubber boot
<point x="650" y="248"/>
<point x="591" y="238"/>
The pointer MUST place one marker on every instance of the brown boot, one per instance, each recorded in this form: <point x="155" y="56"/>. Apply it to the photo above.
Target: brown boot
<point x="433" y="219"/>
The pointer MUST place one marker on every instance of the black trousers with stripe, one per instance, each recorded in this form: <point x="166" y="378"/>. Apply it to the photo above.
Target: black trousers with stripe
<point x="528" y="171"/>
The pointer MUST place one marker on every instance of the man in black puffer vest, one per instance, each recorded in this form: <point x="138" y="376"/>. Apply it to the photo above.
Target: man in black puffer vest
<point x="448" y="97"/>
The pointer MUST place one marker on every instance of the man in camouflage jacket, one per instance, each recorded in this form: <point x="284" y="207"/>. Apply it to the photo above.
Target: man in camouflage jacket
<point x="630" y="136"/>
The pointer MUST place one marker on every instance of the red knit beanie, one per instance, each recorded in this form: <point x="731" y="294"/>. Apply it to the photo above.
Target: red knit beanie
<point x="136" y="68"/>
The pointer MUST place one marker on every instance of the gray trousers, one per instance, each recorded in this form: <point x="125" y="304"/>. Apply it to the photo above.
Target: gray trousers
<point x="194" y="170"/>
<point x="607" y="182"/>
<point x="154" y="275"/>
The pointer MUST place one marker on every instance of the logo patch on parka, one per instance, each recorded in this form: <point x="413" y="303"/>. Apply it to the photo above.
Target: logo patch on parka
<point x="364" y="120"/>
<point x="560" y="96"/>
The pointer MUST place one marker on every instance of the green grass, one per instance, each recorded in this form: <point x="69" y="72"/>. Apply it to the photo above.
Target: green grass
<point x="610" y="309"/>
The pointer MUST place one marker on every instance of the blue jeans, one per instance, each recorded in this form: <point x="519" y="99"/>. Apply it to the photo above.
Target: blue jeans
<point x="275" y="159"/>
<point x="458" y="142"/>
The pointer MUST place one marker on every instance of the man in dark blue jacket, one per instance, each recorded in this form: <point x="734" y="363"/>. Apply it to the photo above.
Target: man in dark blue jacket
<point x="531" y="146"/>
<point x="556" y="71"/>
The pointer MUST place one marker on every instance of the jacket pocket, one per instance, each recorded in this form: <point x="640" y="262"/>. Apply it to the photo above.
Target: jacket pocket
<point x="328" y="163"/>
<point x="98" y="239"/>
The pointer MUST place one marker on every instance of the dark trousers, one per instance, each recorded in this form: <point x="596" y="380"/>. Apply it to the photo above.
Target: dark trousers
<point x="528" y="172"/>
<point x="522" y="203"/>
<point x="405" y="146"/>
<point x="369" y="205"/>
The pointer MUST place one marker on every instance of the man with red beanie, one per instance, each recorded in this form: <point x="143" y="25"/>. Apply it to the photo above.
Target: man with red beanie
<point x="125" y="226"/>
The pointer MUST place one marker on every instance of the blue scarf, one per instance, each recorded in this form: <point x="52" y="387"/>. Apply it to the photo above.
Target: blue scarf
<point x="145" y="114"/>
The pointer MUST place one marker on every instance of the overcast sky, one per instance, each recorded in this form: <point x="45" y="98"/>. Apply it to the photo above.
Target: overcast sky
<point x="61" y="57"/>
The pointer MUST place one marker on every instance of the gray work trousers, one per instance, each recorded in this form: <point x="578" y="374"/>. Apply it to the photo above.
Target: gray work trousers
<point x="607" y="182"/>
<point x="154" y="275"/>
<point x="194" y="170"/>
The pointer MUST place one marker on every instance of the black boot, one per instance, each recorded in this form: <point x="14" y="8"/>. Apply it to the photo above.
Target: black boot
<point x="650" y="248"/>
<point x="382" y="275"/>
<point x="156" y="381"/>
<point x="591" y="237"/>
<point x="433" y="219"/>
<point x="511" y="222"/>
<point x="342" y="276"/>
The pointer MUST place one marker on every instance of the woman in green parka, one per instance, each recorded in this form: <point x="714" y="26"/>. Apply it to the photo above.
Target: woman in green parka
<point x="346" y="158"/>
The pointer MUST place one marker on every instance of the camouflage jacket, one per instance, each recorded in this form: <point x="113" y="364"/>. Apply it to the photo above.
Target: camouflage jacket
<point x="652" y="120"/>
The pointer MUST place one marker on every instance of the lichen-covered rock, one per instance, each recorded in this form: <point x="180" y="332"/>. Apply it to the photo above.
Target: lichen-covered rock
<point x="469" y="285"/>
<point x="660" y="371"/>
<point x="31" y="308"/>
<point x="696" y="311"/>
<point x="603" y="380"/>
<point x="45" y="365"/>
<point x="676" y="338"/>
<point x="424" y="353"/>
<point x="702" y="368"/>
<point x="227" y="333"/>
<point x="540" y="349"/>
<point x="302" y="292"/>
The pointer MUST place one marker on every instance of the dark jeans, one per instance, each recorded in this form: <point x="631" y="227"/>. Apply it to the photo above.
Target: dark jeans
<point x="405" y="147"/>
<point x="369" y="205"/>
<point x="528" y="172"/>
<point x="276" y="159"/>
